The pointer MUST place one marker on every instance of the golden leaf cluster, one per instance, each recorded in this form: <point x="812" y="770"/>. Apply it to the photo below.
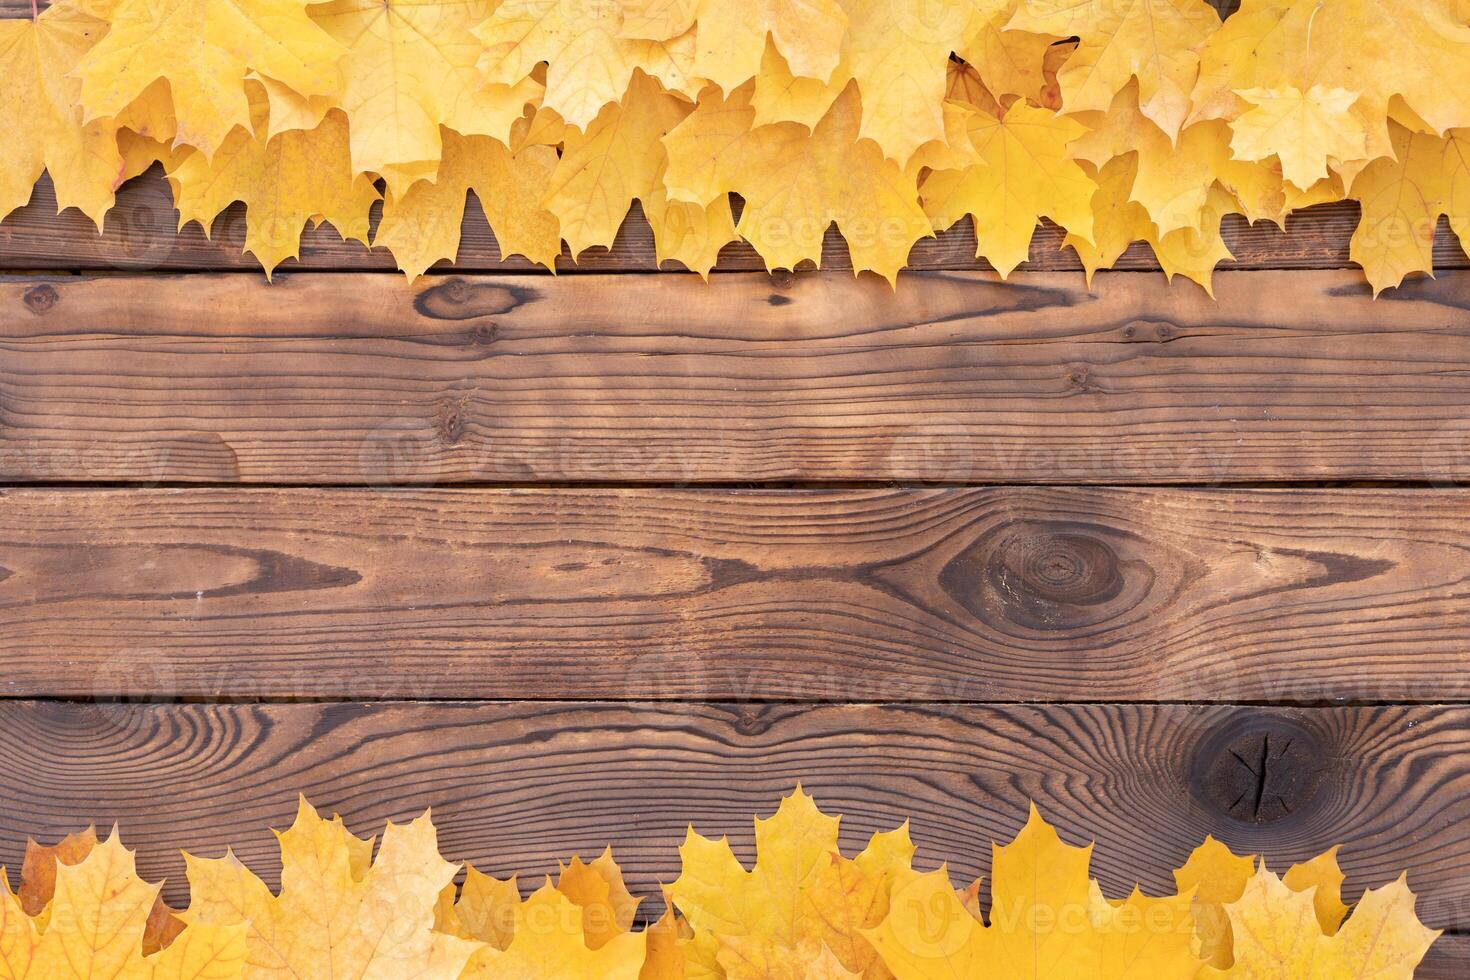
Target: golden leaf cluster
<point x="1120" y="120"/>
<point x="355" y="907"/>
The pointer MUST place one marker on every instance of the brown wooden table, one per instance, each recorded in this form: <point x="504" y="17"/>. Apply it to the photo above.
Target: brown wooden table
<point x="582" y="559"/>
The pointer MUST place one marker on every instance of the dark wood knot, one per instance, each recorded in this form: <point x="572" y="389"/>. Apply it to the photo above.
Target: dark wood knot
<point x="1260" y="769"/>
<point x="1048" y="575"/>
<point x="460" y="299"/>
<point x="752" y="720"/>
<point x="39" y="299"/>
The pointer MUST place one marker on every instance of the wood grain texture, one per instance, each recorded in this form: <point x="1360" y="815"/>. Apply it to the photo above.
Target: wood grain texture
<point x="954" y="378"/>
<point x="515" y="786"/>
<point x="1002" y="594"/>
<point x="1448" y="959"/>
<point x="141" y="235"/>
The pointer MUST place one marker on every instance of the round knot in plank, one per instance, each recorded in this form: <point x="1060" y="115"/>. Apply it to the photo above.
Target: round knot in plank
<point x="39" y="299"/>
<point x="1049" y="575"/>
<point x="1260" y="768"/>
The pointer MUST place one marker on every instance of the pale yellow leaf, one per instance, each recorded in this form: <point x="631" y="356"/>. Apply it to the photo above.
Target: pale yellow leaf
<point x="1277" y="935"/>
<point x="1024" y="173"/>
<point x="730" y="35"/>
<point x="617" y="160"/>
<point x="1418" y="51"/>
<point x="422" y="226"/>
<point x="205" y="50"/>
<point x="802" y="895"/>
<point x="284" y="182"/>
<point x="327" y="921"/>
<point x="1402" y="200"/>
<point x="41" y="119"/>
<point x="589" y="62"/>
<point x="780" y="96"/>
<point x="549" y="944"/>
<point x="1153" y="41"/>
<point x="1305" y="130"/>
<point x="410" y="67"/>
<point x="96" y="926"/>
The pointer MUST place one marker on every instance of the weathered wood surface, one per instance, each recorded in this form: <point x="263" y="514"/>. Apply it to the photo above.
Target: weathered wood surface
<point x="1000" y="594"/>
<point x="1448" y="959"/>
<point x="516" y="786"/>
<point x="954" y="379"/>
<point x="140" y="235"/>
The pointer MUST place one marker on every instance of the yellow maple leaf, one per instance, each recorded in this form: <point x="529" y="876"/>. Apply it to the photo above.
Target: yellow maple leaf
<point x="802" y="895"/>
<point x="1215" y="877"/>
<point x="667" y="938"/>
<point x="616" y="160"/>
<point x="1219" y="879"/>
<point x="954" y="151"/>
<point x="690" y="234"/>
<point x="898" y="51"/>
<point x="730" y="35"/>
<point x="336" y="914"/>
<point x="1278" y="935"/>
<point x="589" y="63"/>
<point x="423" y="225"/>
<point x="1152" y="41"/>
<point x="288" y="110"/>
<point x="96" y="922"/>
<point x="38" y="886"/>
<point x="410" y="67"/>
<point x="151" y="116"/>
<point x="1023" y="172"/>
<point x="483" y="910"/>
<point x="1194" y="252"/>
<point x="780" y="96"/>
<point x="286" y="181"/>
<point x="1117" y="221"/>
<point x="1305" y="130"/>
<point x="620" y="159"/>
<point x="598" y="889"/>
<point x="1323" y="879"/>
<point x="1403" y="197"/>
<point x="549" y="941"/>
<point x="757" y="958"/>
<point x="41" y="119"/>
<point x="1174" y="180"/>
<point x="1011" y="62"/>
<point x="537" y="127"/>
<point x="1047" y="920"/>
<point x="205" y="50"/>
<point x="1419" y="52"/>
<point x="797" y="182"/>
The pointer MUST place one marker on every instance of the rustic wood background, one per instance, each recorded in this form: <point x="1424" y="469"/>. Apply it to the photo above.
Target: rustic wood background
<point x="583" y="558"/>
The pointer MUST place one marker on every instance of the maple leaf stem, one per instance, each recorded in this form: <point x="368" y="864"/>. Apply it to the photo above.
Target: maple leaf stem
<point x="35" y="10"/>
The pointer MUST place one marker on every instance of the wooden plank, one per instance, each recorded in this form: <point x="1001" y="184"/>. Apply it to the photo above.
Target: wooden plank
<point x="140" y="235"/>
<point x="1448" y="959"/>
<point x="1004" y="594"/>
<point x="954" y="378"/>
<point x="514" y="786"/>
